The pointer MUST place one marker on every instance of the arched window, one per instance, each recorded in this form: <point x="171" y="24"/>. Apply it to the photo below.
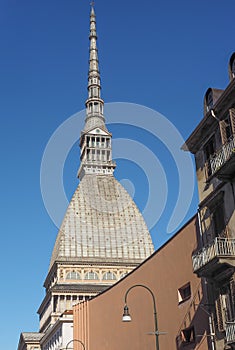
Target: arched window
<point x="91" y="276"/>
<point x="109" y="276"/>
<point x="233" y="68"/>
<point x="73" y="275"/>
<point x="209" y="100"/>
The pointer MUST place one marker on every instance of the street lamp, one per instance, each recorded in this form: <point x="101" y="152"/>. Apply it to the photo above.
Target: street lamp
<point x="79" y="341"/>
<point x="127" y="317"/>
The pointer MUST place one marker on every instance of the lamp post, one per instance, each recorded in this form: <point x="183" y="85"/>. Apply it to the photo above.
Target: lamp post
<point x="126" y="315"/>
<point x="79" y="341"/>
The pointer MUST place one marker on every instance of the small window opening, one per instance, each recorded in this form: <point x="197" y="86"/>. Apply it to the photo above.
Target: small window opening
<point x="188" y="335"/>
<point x="209" y="150"/>
<point x="184" y="293"/>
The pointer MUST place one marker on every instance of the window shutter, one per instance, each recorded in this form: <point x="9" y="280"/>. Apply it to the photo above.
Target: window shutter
<point x="222" y="125"/>
<point x="232" y="291"/>
<point x="220" y="313"/>
<point x="232" y="118"/>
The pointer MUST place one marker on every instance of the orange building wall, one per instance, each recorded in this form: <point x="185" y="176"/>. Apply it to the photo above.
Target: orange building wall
<point x="98" y="322"/>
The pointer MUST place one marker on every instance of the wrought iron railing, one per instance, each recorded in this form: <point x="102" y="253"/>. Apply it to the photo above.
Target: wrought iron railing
<point x="220" y="247"/>
<point x="230" y="332"/>
<point x="221" y="156"/>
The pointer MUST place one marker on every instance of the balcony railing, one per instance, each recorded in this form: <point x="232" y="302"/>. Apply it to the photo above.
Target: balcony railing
<point x="230" y="332"/>
<point x="220" y="247"/>
<point x="222" y="156"/>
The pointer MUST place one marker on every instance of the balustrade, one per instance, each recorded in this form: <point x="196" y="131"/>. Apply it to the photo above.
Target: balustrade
<point x="222" y="155"/>
<point x="230" y="332"/>
<point x="220" y="247"/>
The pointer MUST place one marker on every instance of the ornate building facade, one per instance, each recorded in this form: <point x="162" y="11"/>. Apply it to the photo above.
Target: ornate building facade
<point x="103" y="235"/>
<point x="213" y="144"/>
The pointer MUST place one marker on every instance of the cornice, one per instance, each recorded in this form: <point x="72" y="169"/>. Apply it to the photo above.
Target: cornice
<point x="79" y="288"/>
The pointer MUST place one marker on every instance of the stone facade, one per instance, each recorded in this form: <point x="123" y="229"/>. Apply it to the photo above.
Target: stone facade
<point x="30" y="341"/>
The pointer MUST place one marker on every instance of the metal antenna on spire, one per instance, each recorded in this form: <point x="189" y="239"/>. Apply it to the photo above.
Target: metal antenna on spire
<point x="92" y="3"/>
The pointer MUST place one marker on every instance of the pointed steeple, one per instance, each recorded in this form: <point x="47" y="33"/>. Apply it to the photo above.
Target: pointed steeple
<point x="95" y="142"/>
<point x="94" y="103"/>
<point x="103" y="233"/>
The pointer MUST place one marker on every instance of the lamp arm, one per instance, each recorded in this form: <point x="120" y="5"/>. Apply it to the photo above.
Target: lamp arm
<point x="154" y="308"/>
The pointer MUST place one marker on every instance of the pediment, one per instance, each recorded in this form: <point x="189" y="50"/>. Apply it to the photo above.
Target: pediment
<point x="98" y="131"/>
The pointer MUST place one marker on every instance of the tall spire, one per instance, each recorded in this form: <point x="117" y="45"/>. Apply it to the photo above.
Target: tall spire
<point x="94" y="103"/>
<point x="95" y="141"/>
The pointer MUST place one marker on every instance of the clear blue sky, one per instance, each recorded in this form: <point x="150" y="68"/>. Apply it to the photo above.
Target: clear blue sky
<point x="160" y="54"/>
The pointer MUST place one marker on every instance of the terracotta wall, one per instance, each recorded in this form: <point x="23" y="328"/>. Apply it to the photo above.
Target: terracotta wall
<point x="98" y="322"/>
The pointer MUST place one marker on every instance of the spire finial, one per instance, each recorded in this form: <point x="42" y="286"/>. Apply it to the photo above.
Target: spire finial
<point x="92" y="3"/>
<point x="94" y="103"/>
<point x="96" y="151"/>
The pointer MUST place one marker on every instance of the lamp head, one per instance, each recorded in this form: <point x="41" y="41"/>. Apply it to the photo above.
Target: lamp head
<point x="126" y="316"/>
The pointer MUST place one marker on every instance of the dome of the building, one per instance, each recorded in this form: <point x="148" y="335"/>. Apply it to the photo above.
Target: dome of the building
<point x="102" y="223"/>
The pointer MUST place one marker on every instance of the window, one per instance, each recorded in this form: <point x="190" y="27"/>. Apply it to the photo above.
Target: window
<point x="226" y="129"/>
<point x="109" y="276"/>
<point x="96" y="107"/>
<point x="88" y="154"/>
<point x="209" y="150"/>
<point x="188" y="335"/>
<point x="218" y="219"/>
<point x="209" y="100"/>
<point x="91" y="276"/>
<point x="73" y="275"/>
<point x="184" y="293"/>
<point x="225" y="306"/>
<point x="233" y="68"/>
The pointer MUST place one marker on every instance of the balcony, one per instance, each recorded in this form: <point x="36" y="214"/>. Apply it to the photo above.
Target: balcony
<point x="222" y="163"/>
<point x="212" y="256"/>
<point x="230" y="332"/>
